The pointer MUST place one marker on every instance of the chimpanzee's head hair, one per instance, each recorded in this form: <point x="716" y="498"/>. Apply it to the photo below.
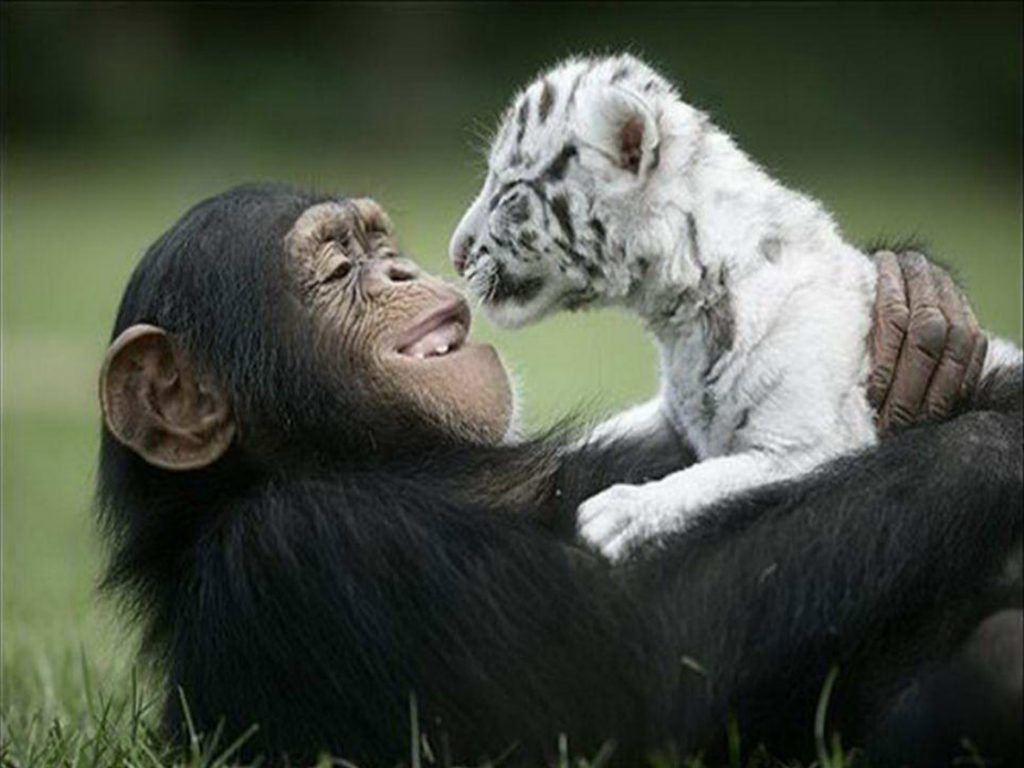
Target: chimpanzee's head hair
<point x="215" y="282"/>
<point x="273" y="326"/>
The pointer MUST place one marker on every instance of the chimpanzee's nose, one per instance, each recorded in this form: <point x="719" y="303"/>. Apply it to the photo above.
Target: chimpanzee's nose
<point x="400" y="270"/>
<point x="379" y="274"/>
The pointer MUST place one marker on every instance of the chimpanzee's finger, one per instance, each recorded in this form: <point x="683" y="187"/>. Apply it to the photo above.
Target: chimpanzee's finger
<point x="922" y="347"/>
<point x="977" y="360"/>
<point x="889" y="327"/>
<point x="973" y="374"/>
<point x="943" y="392"/>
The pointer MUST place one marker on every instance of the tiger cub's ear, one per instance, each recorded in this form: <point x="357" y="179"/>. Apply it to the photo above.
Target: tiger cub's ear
<point x="619" y="124"/>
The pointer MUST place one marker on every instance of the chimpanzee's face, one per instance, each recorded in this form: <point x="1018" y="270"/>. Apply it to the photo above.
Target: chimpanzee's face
<point x="366" y="350"/>
<point x="400" y="333"/>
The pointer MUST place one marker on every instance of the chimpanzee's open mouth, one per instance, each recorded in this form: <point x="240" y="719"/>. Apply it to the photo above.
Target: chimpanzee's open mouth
<point x="437" y="333"/>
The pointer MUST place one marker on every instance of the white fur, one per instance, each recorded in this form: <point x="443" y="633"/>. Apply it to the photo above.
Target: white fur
<point x="788" y="392"/>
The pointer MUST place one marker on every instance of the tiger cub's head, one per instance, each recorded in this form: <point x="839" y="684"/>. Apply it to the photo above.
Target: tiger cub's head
<point x="573" y="209"/>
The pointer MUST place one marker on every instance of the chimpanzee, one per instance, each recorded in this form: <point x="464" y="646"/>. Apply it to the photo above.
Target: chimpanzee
<point x="315" y="510"/>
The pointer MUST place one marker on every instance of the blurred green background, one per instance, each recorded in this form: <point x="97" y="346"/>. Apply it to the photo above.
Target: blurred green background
<point x="904" y="119"/>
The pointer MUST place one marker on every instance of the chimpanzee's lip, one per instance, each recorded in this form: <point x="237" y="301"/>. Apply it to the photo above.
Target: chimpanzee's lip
<point x="437" y="332"/>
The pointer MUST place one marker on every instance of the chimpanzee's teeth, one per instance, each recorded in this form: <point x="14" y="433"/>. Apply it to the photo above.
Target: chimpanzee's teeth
<point x="437" y="342"/>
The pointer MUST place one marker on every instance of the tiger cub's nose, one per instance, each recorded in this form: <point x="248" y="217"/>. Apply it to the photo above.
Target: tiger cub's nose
<point x="460" y="251"/>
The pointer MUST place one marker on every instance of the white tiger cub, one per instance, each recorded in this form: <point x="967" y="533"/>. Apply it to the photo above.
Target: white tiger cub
<point x="604" y="187"/>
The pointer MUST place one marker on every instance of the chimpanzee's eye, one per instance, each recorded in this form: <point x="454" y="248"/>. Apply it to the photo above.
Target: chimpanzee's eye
<point x="338" y="271"/>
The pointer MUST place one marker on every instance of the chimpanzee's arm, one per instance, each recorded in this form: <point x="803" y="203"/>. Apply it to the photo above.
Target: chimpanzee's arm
<point x="877" y="563"/>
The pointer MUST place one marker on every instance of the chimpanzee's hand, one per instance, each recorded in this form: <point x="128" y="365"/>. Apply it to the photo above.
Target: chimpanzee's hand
<point x="927" y="348"/>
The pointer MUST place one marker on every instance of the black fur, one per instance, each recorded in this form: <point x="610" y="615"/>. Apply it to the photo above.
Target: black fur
<point x="556" y="168"/>
<point x="518" y="209"/>
<point x="496" y="198"/>
<point x="560" y="209"/>
<point x="694" y="241"/>
<point x="574" y="87"/>
<point x="620" y="74"/>
<point x="547" y="100"/>
<point x="655" y="158"/>
<point x="314" y="593"/>
<point x="719" y="320"/>
<point x="522" y="118"/>
<point x="506" y="287"/>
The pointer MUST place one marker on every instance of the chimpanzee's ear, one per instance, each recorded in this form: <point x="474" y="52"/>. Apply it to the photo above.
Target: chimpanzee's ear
<point x="619" y="124"/>
<point x="155" y="402"/>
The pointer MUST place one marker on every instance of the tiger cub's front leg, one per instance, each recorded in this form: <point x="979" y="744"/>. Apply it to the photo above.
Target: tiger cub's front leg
<point x="623" y="515"/>
<point x="647" y="420"/>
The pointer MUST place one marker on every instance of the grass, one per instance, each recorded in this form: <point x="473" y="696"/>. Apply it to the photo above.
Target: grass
<point x="74" y="224"/>
<point x="99" y="726"/>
